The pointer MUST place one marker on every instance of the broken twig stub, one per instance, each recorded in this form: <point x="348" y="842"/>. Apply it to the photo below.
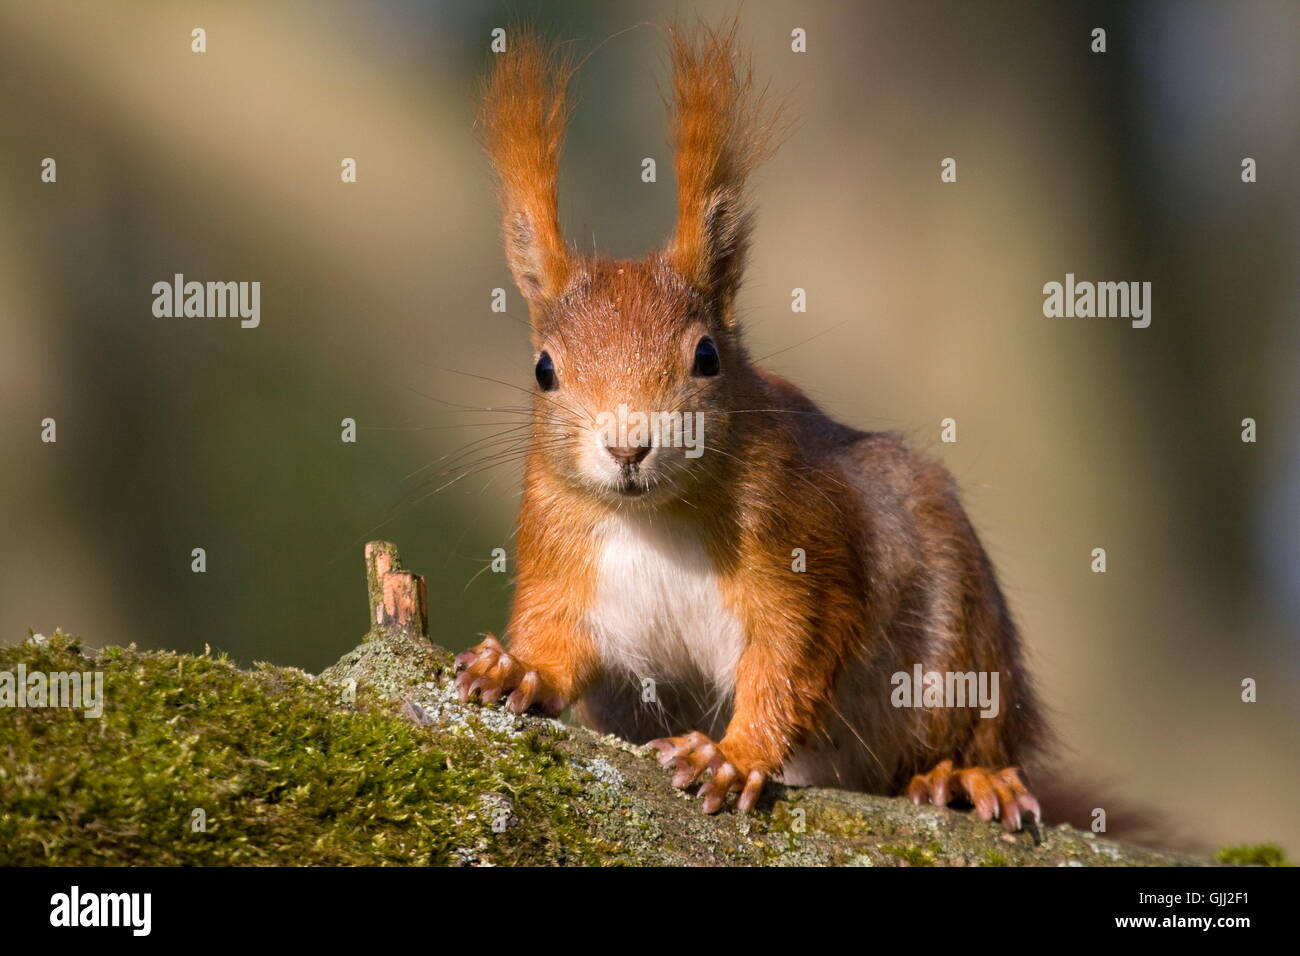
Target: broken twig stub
<point x="397" y="597"/>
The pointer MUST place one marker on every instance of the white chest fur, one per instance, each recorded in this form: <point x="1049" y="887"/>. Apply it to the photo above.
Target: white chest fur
<point x="658" y="610"/>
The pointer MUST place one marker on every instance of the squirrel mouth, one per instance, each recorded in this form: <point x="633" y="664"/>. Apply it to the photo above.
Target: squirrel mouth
<point x="630" y="486"/>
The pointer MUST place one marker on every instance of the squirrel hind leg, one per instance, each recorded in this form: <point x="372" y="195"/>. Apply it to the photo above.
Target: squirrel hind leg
<point x="995" y="794"/>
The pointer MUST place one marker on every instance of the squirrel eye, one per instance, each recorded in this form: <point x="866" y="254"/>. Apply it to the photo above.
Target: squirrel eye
<point x="706" y="358"/>
<point x="546" y="373"/>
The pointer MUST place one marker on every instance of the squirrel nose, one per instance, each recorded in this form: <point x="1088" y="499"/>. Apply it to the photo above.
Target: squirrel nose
<point x="628" y="456"/>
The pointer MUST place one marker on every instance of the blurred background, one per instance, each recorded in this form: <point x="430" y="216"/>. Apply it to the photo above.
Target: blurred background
<point x="924" y="302"/>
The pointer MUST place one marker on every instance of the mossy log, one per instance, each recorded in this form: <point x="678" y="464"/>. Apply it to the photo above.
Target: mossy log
<point x="377" y="761"/>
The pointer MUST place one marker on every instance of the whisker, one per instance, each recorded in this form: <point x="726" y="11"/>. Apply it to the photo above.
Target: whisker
<point x="518" y="388"/>
<point x="838" y="325"/>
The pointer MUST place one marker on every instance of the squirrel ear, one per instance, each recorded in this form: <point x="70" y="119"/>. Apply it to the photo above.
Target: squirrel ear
<point x="717" y="264"/>
<point x="721" y="129"/>
<point x="538" y="269"/>
<point x="522" y="117"/>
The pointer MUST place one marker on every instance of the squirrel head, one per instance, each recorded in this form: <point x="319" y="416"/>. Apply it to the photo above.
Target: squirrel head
<point x="639" y="364"/>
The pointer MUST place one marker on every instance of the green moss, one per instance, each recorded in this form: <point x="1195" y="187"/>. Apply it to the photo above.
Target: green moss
<point x="828" y="819"/>
<point x="287" y="771"/>
<point x="913" y="855"/>
<point x="1253" y="854"/>
<point x="282" y="769"/>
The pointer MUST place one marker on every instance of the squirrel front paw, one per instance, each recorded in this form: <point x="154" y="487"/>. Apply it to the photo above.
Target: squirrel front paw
<point x="491" y="672"/>
<point x="998" y="794"/>
<point x="693" y="754"/>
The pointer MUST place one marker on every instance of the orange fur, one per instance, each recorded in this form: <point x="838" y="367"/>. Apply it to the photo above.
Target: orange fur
<point x="895" y="574"/>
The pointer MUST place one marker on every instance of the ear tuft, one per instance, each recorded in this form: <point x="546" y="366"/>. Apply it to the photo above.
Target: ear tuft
<point x="722" y="128"/>
<point x="522" y="116"/>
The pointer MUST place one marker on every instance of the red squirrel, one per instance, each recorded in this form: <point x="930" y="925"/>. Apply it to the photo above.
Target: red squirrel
<point x="643" y="564"/>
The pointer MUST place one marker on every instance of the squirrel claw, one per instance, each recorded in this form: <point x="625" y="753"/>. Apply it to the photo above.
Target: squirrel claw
<point x="693" y="755"/>
<point x="994" y="794"/>
<point x="489" y="672"/>
<point x="488" y="646"/>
